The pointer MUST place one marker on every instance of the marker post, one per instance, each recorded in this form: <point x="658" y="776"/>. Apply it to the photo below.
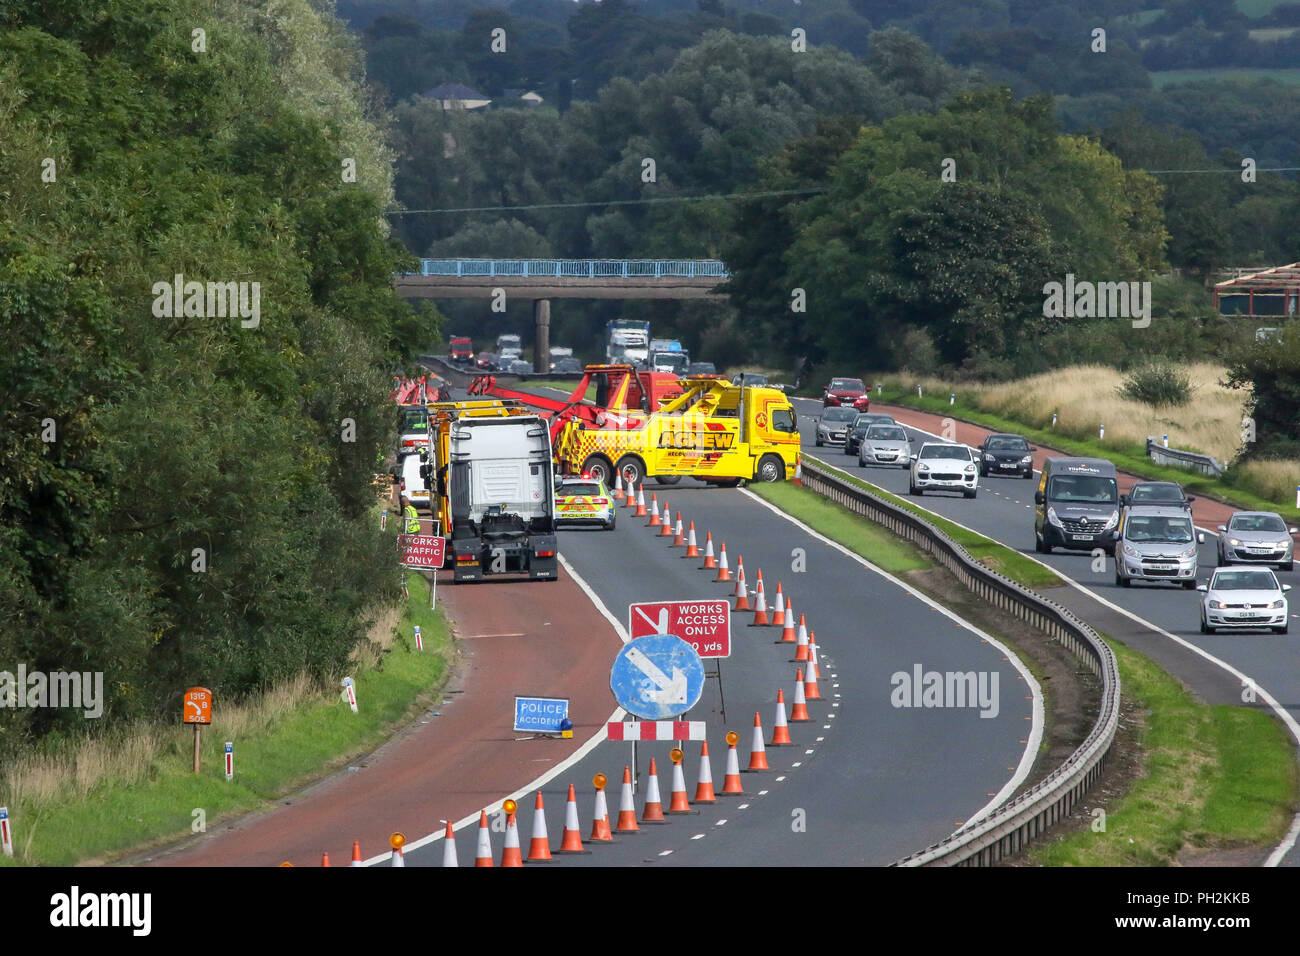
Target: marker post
<point x="230" y="760"/>
<point x="6" y="835"/>
<point x="419" y="641"/>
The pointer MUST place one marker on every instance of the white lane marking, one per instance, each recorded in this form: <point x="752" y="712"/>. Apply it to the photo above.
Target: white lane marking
<point x="721" y="823"/>
<point x="555" y="771"/>
<point x="762" y="793"/>
<point x="698" y="836"/>
<point x="807" y="752"/>
<point x="742" y="806"/>
<point x="797" y="763"/>
<point x="1293" y="834"/>
<point x="779" y="779"/>
<point x="664" y="852"/>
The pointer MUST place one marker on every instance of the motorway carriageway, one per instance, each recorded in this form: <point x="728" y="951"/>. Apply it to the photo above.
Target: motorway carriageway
<point x="871" y="782"/>
<point x="1004" y="511"/>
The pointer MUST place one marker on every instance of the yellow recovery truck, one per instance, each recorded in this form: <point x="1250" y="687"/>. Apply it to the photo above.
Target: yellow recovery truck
<point x="714" y="431"/>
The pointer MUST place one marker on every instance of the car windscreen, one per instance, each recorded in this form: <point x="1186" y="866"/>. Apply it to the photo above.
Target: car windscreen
<point x="960" y="452"/>
<point x="1244" y="581"/>
<point x="886" y="433"/>
<point x="866" y="421"/>
<point x="1156" y="493"/>
<point x="414" y="420"/>
<point x="1257" y="523"/>
<point x="1086" y="489"/>
<point x="1158" y="528"/>
<point x="838" y="415"/>
<point x="1007" y="444"/>
<point x="580" y="488"/>
<point x="847" y="383"/>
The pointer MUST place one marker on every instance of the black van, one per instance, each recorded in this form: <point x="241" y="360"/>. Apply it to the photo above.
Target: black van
<point x="1076" y="505"/>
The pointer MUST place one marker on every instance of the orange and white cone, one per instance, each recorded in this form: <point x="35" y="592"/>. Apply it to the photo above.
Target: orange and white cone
<point x="600" y="824"/>
<point x="760" y="605"/>
<point x="710" y="562"/>
<point x="654" y="511"/>
<point x="742" y="592"/>
<point x="731" y="785"/>
<point x="810" y="690"/>
<point x="324" y="859"/>
<point x="626" y="806"/>
<point x="692" y="549"/>
<point x="356" y="854"/>
<point x="653" y="812"/>
<point x="666" y="530"/>
<point x="678" y="802"/>
<point x="630" y="500"/>
<point x="397" y="858"/>
<point x="449" y="847"/>
<point x="780" y="729"/>
<point x="510" y="853"/>
<point x="799" y="710"/>
<point x="813" y="665"/>
<point x="801" y="642"/>
<point x="679" y="539"/>
<point x="704" y="786"/>
<point x="798" y="471"/>
<point x="618" y="484"/>
<point x="724" y="572"/>
<point x="757" y="752"/>
<point x="539" y="847"/>
<point x="483" y="855"/>
<point x="788" y="635"/>
<point x="640" y="502"/>
<point x="778" y="619"/>
<point x="572" y="840"/>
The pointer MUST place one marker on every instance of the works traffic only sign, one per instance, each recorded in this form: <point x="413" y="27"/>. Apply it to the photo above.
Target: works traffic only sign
<point x="540" y="715"/>
<point x="422" y="550"/>
<point x="705" y="625"/>
<point x="657" y="677"/>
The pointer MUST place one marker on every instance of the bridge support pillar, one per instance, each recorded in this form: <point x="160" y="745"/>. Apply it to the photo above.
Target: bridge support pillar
<point x="542" y="320"/>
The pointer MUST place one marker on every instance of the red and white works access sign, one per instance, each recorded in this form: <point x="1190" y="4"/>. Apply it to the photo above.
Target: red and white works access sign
<point x="705" y="625"/>
<point x="422" y="550"/>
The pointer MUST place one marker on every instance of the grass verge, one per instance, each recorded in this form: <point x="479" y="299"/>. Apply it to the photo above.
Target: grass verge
<point x="1213" y="777"/>
<point x="145" y="791"/>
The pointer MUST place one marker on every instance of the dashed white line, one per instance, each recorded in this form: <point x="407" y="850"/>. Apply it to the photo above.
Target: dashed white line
<point x="742" y="806"/>
<point x="664" y="852"/>
<point x="762" y="793"/>
<point x="779" y="779"/>
<point x="797" y="763"/>
<point x="698" y="836"/>
<point x="721" y="823"/>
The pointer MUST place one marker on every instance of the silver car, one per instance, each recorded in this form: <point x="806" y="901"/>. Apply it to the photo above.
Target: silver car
<point x="1244" y="597"/>
<point x="885" y="445"/>
<point x="1155" y="544"/>
<point x="1256" y="537"/>
<point x="833" y="426"/>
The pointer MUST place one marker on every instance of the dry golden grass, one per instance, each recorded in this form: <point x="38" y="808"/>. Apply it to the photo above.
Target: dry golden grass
<point x="1274" y="480"/>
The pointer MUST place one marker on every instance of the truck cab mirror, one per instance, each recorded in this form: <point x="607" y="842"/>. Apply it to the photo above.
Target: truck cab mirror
<point x="1038" y="497"/>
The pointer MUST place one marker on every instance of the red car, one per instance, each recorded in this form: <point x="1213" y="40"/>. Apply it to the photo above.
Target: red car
<point x="847" y="392"/>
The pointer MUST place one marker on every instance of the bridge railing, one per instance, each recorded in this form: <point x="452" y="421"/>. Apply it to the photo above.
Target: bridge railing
<point x="577" y="268"/>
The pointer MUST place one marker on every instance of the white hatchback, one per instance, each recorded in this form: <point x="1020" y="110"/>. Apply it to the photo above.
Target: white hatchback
<point x="945" y="466"/>
<point x="1244" y="597"/>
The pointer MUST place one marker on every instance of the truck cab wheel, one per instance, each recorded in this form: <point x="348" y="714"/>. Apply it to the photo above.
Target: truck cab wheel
<point x="770" y="468"/>
<point x="632" y="469"/>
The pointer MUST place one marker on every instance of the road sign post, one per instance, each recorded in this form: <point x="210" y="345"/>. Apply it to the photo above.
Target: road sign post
<point x="230" y="760"/>
<point x="6" y="835"/>
<point x="197" y="710"/>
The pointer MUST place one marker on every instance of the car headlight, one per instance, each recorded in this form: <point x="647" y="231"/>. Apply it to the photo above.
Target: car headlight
<point x="1283" y="545"/>
<point x="988" y="458"/>
<point x="1278" y="603"/>
<point x="922" y="467"/>
<point x="1114" y="520"/>
<point x="1027" y="460"/>
<point x="970" y="469"/>
<point x="1131" y="552"/>
<point x="1051" y="516"/>
<point x="1216" y="605"/>
<point x="1189" y="554"/>
<point x="1234" y="542"/>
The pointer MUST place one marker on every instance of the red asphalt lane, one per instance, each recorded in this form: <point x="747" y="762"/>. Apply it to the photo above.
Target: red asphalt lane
<point x="512" y="637"/>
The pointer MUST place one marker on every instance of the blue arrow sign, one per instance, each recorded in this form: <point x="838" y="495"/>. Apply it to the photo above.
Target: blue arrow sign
<point x="657" y="677"/>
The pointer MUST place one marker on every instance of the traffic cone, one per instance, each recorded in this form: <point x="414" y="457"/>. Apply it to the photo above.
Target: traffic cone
<point x="600" y="825"/>
<point x="801" y="642"/>
<point x="710" y="562"/>
<point x="760" y="605"/>
<point x="397" y="859"/>
<point x="626" y="806"/>
<point x="810" y="690"/>
<point x="757" y="752"/>
<point x="724" y="571"/>
<point x="510" y="853"/>
<point x="788" y="631"/>
<point x="539" y="847"/>
<point x="630" y="500"/>
<point x="742" y="592"/>
<point x="731" y="780"/>
<point x="572" y="842"/>
<point x="640" y="502"/>
<point x="799" y="711"/>
<point x="653" y="812"/>
<point x="778" y="619"/>
<point x="356" y="854"/>
<point x="654" y="511"/>
<point x="618" y="484"/>
<point x="780" y="730"/>
<point x="678" y="802"/>
<point x="667" y="528"/>
<point x="449" y="847"/>
<point x="679" y="539"/>
<point x="324" y="859"/>
<point x="798" y="471"/>
<point x="692" y="550"/>
<point x="483" y="855"/>
<point x="812" y="651"/>
<point x="704" y="786"/>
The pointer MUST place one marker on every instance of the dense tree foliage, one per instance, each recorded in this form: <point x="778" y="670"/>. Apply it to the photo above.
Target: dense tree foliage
<point x="130" y="438"/>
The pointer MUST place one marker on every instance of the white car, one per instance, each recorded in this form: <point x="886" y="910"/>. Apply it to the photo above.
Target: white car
<point x="945" y="466"/>
<point x="1244" y="597"/>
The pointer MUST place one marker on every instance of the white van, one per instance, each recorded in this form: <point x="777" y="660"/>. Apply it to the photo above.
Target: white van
<point x="411" y="483"/>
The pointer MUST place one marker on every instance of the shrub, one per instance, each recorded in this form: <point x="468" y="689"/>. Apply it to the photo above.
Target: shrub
<point x="1157" y="383"/>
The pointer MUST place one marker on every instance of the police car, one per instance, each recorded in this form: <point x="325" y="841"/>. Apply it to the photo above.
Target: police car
<point x="584" y="500"/>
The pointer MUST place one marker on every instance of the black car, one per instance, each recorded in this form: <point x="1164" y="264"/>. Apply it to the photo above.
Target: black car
<point x="1168" y="494"/>
<point x="1004" y="454"/>
<point x="701" y="368"/>
<point x="861" y="422"/>
<point x="567" y="364"/>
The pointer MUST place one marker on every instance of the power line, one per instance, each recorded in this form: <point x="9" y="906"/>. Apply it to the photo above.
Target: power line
<point x="614" y="202"/>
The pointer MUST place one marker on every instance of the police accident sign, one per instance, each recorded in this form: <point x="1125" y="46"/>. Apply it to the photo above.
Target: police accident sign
<point x="705" y="625"/>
